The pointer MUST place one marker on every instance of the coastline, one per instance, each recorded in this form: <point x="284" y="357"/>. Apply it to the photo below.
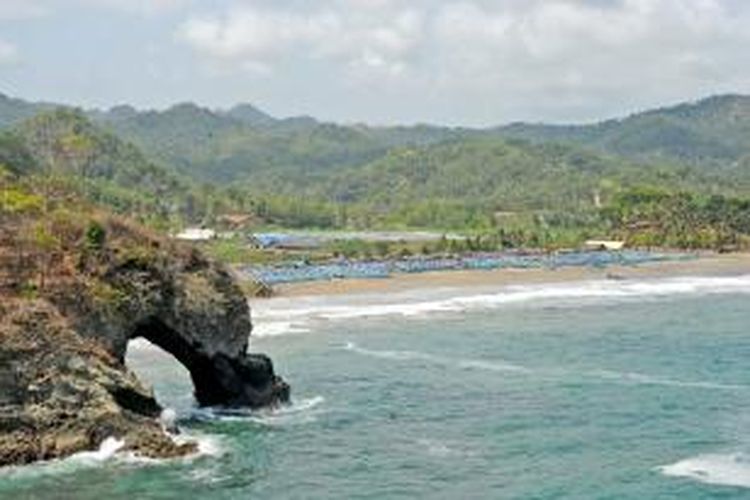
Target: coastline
<point x="703" y="265"/>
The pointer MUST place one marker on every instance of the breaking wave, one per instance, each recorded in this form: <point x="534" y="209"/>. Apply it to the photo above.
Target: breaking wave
<point x="283" y="316"/>
<point x="731" y="469"/>
<point x="300" y="411"/>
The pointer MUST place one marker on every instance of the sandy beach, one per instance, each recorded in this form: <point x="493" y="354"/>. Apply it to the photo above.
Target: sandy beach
<point x="704" y="265"/>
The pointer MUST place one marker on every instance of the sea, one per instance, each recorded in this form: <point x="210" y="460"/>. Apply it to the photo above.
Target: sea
<point x="611" y="389"/>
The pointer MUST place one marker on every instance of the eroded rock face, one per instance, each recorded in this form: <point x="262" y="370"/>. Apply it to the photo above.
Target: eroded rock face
<point x="191" y="308"/>
<point x="61" y="394"/>
<point x="64" y="386"/>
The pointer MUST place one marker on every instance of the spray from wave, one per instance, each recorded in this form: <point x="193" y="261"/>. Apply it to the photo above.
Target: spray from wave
<point x="731" y="469"/>
<point x="300" y="411"/>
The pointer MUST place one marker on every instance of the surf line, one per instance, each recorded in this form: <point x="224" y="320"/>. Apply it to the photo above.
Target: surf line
<point x="626" y="378"/>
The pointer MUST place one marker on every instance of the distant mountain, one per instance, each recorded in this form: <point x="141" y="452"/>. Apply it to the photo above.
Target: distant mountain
<point x="13" y="111"/>
<point x="192" y="164"/>
<point x="250" y="115"/>
<point x="710" y="130"/>
<point x="702" y="145"/>
<point x="244" y="142"/>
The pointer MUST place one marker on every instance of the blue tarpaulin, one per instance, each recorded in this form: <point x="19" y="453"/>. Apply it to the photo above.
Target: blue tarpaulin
<point x="293" y="273"/>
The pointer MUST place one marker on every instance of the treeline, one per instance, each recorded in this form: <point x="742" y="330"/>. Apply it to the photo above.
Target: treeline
<point x="651" y="217"/>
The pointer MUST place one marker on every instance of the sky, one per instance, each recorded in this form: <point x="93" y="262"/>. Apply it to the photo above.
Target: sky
<point x="454" y="62"/>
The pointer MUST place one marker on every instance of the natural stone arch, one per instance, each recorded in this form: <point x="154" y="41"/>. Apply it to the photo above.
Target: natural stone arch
<point x="191" y="308"/>
<point x="218" y="379"/>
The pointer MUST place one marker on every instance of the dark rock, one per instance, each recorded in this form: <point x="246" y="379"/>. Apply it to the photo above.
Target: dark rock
<point x="66" y="393"/>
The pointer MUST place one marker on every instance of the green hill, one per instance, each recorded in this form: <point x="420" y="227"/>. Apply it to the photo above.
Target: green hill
<point x="190" y="164"/>
<point x="709" y="131"/>
<point x="244" y="142"/>
<point x="63" y="146"/>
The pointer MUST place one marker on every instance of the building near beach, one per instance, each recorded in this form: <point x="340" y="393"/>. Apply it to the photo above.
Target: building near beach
<point x="196" y="234"/>
<point x="604" y="245"/>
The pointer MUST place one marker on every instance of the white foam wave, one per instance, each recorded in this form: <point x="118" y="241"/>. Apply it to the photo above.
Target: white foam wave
<point x="468" y="364"/>
<point x="642" y="379"/>
<point x="299" y="411"/>
<point x="440" y="449"/>
<point x="208" y="444"/>
<point x="721" y="469"/>
<point x="275" y="328"/>
<point x="107" y="450"/>
<point x="502" y="366"/>
<point x="282" y="316"/>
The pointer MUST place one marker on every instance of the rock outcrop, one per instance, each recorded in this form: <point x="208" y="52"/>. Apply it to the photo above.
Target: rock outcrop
<point x="64" y="386"/>
<point x="61" y="394"/>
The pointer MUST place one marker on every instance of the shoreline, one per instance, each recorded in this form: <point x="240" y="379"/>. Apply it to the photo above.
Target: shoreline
<point x="703" y="265"/>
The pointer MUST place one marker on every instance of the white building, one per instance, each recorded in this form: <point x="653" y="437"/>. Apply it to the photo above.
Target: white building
<point x="604" y="245"/>
<point x="196" y="234"/>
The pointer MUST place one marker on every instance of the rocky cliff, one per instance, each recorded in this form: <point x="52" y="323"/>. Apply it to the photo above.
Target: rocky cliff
<point x="66" y="319"/>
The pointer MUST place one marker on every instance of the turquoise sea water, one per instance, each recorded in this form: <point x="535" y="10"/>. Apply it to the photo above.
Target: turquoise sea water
<point x="612" y="389"/>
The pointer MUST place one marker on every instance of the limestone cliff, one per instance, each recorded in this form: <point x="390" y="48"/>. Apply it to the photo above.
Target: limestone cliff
<point x="64" y="386"/>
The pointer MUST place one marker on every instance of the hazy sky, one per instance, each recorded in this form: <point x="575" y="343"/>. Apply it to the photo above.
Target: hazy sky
<point x="381" y="61"/>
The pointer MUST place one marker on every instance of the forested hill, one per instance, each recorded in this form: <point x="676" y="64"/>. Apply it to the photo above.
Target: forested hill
<point x="709" y="131"/>
<point x="189" y="164"/>
<point x="246" y="144"/>
<point x="65" y="150"/>
<point x="14" y="111"/>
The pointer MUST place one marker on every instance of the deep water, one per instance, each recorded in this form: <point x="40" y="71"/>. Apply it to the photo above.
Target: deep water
<point x="593" y="390"/>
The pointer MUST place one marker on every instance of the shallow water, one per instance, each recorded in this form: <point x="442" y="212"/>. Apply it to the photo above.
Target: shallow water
<point x="612" y="389"/>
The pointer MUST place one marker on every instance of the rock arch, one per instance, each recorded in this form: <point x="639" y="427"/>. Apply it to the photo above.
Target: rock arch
<point x="191" y="308"/>
<point x="218" y="378"/>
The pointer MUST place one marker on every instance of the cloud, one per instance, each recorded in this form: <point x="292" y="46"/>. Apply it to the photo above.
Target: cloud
<point x="356" y="36"/>
<point x="564" y="56"/>
<point x="8" y="52"/>
<point x="592" y="51"/>
<point x="147" y="7"/>
<point x="29" y="9"/>
<point x="22" y="9"/>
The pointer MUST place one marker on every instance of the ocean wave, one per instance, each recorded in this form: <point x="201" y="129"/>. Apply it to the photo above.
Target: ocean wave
<point x="643" y="379"/>
<point x="503" y="366"/>
<point x="440" y="448"/>
<point x="731" y="469"/>
<point x="275" y="328"/>
<point x="297" y="412"/>
<point x="85" y="459"/>
<point x="111" y="452"/>
<point x="284" y="316"/>
<point x="467" y="364"/>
